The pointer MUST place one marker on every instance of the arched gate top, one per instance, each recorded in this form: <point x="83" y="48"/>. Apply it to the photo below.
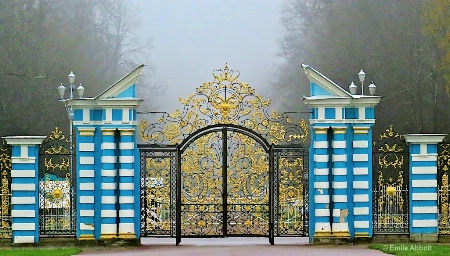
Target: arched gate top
<point x="224" y="101"/>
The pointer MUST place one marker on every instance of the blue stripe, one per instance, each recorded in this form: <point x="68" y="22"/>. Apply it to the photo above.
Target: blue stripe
<point x="424" y="203"/>
<point x="427" y="230"/>
<point x="423" y="190"/>
<point x="360" y="151"/>
<point x="423" y="163"/>
<point x="424" y="216"/>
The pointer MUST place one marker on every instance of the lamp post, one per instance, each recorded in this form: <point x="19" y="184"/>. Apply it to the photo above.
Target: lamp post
<point x="362" y="77"/>
<point x="69" y="109"/>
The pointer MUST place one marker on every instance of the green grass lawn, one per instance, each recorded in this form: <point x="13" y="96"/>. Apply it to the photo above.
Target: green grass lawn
<point x="413" y="249"/>
<point x="37" y="251"/>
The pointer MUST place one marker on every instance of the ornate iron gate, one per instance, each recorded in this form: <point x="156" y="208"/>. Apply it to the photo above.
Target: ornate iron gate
<point x="5" y="192"/>
<point x="223" y="166"/>
<point x="443" y="185"/>
<point x="56" y="186"/>
<point x="390" y="184"/>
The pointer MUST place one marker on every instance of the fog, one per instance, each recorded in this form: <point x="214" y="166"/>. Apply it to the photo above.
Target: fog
<point x="191" y="38"/>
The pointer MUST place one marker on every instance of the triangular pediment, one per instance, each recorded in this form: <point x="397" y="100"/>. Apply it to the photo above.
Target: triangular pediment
<point x="125" y="87"/>
<point x="320" y="85"/>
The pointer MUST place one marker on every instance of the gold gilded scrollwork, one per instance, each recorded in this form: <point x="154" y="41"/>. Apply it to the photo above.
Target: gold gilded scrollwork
<point x="225" y="100"/>
<point x="5" y="195"/>
<point x="443" y="189"/>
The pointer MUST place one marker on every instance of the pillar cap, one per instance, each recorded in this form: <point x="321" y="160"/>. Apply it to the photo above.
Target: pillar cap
<point x="24" y="140"/>
<point x="424" y="138"/>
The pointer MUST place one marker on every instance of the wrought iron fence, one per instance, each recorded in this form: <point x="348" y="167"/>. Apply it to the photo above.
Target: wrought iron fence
<point x="390" y="183"/>
<point x="5" y="191"/>
<point x="56" y="186"/>
<point x="443" y="185"/>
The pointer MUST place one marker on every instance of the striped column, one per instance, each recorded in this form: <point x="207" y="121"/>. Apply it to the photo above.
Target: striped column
<point x="127" y="192"/>
<point x="340" y="206"/>
<point x="322" y="226"/>
<point x="108" y="185"/>
<point x="362" y="177"/>
<point x="24" y="188"/>
<point x="423" y="184"/>
<point x="85" y="186"/>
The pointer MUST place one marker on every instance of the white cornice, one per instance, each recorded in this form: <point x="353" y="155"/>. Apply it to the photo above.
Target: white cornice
<point x="104" y="103"/>
<point x="424" y="138"/>
<point x="24" y="140"/>
<point x="122" y="84"/>
<point x="333" y="101"/>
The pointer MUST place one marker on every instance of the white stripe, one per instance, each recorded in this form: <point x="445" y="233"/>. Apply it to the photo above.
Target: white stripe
<point x="23" y="213"/>
<point x="340" y="158"/>
<point x="425" y="209"/>
<point x="86" y="199"/>
<point x="340" y="198"/>
<point x="424" y="183"/>
<point x="109" y="213"/>
<point x="424" y="196"/>
<point x="361" y="113"/>
<point x="360" y="171"/>
<point x="86" y="147"/>
<point x="423" y="148"/>
<point x="320" y="171"/>
<point x="320" y="144"/>
<point x="87" y="173"/>
<point x="337" y="212"/>
<point x="126" y="213"/>
<point x="23" y="187"/>
<point x="320" y="113"/>
<point x="126" y="199"/>
<point x="360" y="157"/>
<point x="23" y="200"/>
<point x="126" y="186"/>
<point x="339" y="171"/>
<point x="23" y="160"/>
<point x="125" y="115"/>
<point x="108" y="114"/>
<point x="322" y="226"/>
<point x="423" y="158"/>
<point x="86" y="160"/>
<point x="338" y="113"/>
<point x="84" y="226"/>
<point x="340" y="226"/>
<point x="23" y="226"/>
<point x="109" y="186"/>
<point x="339" y="184"/>
<point x="108" y="145"/>
<point x="126" y="159"/>
<point x="361" y="223"/>
<point x="322" y="212"/>
<point x="109" y="228"/>
<point x="126" y="228"/>
<point x="360" y="184"/>
<point x="424" y="223"/>
<point x="126" y="172"/>
<point x="360" y="144"/>
<point x="424" y="169"/>
<point x="109" y="173"/>
<point x="339" y="144"/>
<point x="322" y="199"/>
<point x="86" y="115"/>
<point x="321" y="158"/>
<point x="109" y="199"/>
<point x="361" y="210"/>
<point x="126" y="145"/>
<point x="361" y="198"/>
<point x="321" y="184"/>
<point x="87" y="186"/>
<point x="109" y="159"/>
<point x="23" y="239"/>
<point x="24" y="150"/>
<point x="87" y="213"/>
<point x="23" y="173"/>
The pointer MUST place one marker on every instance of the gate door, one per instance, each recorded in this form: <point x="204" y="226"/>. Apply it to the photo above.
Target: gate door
<point x="224" y="186"/>
<point x="390" y="184"/>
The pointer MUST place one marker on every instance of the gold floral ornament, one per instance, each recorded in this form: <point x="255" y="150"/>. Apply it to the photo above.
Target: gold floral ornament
<point x="225" y="100"/>
<point x="390" y="191"/>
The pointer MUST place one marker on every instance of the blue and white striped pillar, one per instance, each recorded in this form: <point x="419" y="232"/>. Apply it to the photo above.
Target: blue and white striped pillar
<point x="127" y="188"/>
<point x="85" y="183"/>
<point x="423" y="183"/>
<point x="108" y="185"/>
<point x="362" y="181"/>
<point x="321" y="219"/>
<point x="24" y="188"/>
<point x="340" y="207"/>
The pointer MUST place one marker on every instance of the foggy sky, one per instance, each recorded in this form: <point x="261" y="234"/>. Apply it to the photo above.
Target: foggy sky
<point x="190" y="38"/>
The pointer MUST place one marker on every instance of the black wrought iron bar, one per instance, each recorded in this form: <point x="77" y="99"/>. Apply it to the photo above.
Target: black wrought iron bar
<point x="330" y="173"/>
<point x="271" y="196"/>
<point x="178" y="204"/>
<point x="224" y="180"/>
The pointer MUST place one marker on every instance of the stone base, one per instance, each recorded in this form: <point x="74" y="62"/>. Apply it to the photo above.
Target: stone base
<point x="323" y="240"/>
<point x="444" y="238"/>
<point x="426" y="238"/>
<point x="390" y="238"/>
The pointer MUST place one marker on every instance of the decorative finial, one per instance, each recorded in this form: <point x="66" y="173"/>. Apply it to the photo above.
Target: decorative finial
<point x="226" y="65"/>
